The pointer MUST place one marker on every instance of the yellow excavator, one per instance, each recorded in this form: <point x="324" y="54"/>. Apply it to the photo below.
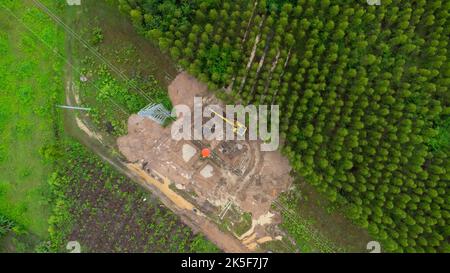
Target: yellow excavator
<point x="238" y="127"/>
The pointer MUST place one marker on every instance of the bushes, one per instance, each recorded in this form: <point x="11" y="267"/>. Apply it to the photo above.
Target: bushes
<point x="6" y="225"/>
<point x="97" y="36"/>
<point x="110" y="88"/>
<point x="201" y="245"/>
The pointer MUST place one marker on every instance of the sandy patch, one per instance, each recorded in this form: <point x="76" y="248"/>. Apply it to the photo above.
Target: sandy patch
<point x="85" y="129"/>
<point x="163" y="187"/>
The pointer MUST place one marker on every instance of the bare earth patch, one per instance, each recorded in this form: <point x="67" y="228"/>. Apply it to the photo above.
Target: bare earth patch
<point x="237" y="173"/>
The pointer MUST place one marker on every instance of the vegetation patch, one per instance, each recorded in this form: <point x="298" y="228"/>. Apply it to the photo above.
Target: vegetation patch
<point x="106" y="212"/>
<point x="31" y="80"/>
<point x="52" y="190"/>
<point x="360" y="87"/>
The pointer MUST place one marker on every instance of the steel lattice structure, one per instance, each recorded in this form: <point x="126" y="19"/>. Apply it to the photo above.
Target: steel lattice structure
<point x="155" y="112"/>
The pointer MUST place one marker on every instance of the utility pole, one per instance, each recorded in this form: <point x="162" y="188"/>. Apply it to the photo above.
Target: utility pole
<point x="73" y="107"/>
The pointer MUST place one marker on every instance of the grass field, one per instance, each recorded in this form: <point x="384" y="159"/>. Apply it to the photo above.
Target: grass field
<point x="27" y="119"/>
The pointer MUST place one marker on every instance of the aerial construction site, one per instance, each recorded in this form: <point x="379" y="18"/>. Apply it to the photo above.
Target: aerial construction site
<point x="232" y="183"/>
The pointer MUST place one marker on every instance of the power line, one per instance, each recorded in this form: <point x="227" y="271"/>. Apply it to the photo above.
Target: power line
<point x="73" y="107"/>
<point x="59" y="54"/>
<point x="45" y="9"/>
<point x="316" y="237"/>
<point x="90" y="48"/>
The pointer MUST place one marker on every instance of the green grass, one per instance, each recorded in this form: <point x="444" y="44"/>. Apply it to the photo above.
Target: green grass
<point x="6" y="225"/>
<point x="111" y="97"/>
<point x="308" y="238"/>
<point x="202" y="245"/>
<point x="244" y="225"/>
<point x="30" y="86"/>
<point x="317" y="225"/>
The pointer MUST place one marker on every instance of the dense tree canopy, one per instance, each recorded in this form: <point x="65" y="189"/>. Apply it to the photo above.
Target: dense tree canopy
<point x="364" y="94"/>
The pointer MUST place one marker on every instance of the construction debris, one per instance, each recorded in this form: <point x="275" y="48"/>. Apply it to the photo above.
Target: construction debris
<point x="234" y="173"/>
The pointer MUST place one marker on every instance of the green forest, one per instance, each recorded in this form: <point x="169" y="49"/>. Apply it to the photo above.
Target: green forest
<point x="363" y="92"/>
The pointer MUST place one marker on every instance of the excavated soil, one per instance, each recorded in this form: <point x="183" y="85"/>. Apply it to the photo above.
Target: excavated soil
<point x="237" y="171"/>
